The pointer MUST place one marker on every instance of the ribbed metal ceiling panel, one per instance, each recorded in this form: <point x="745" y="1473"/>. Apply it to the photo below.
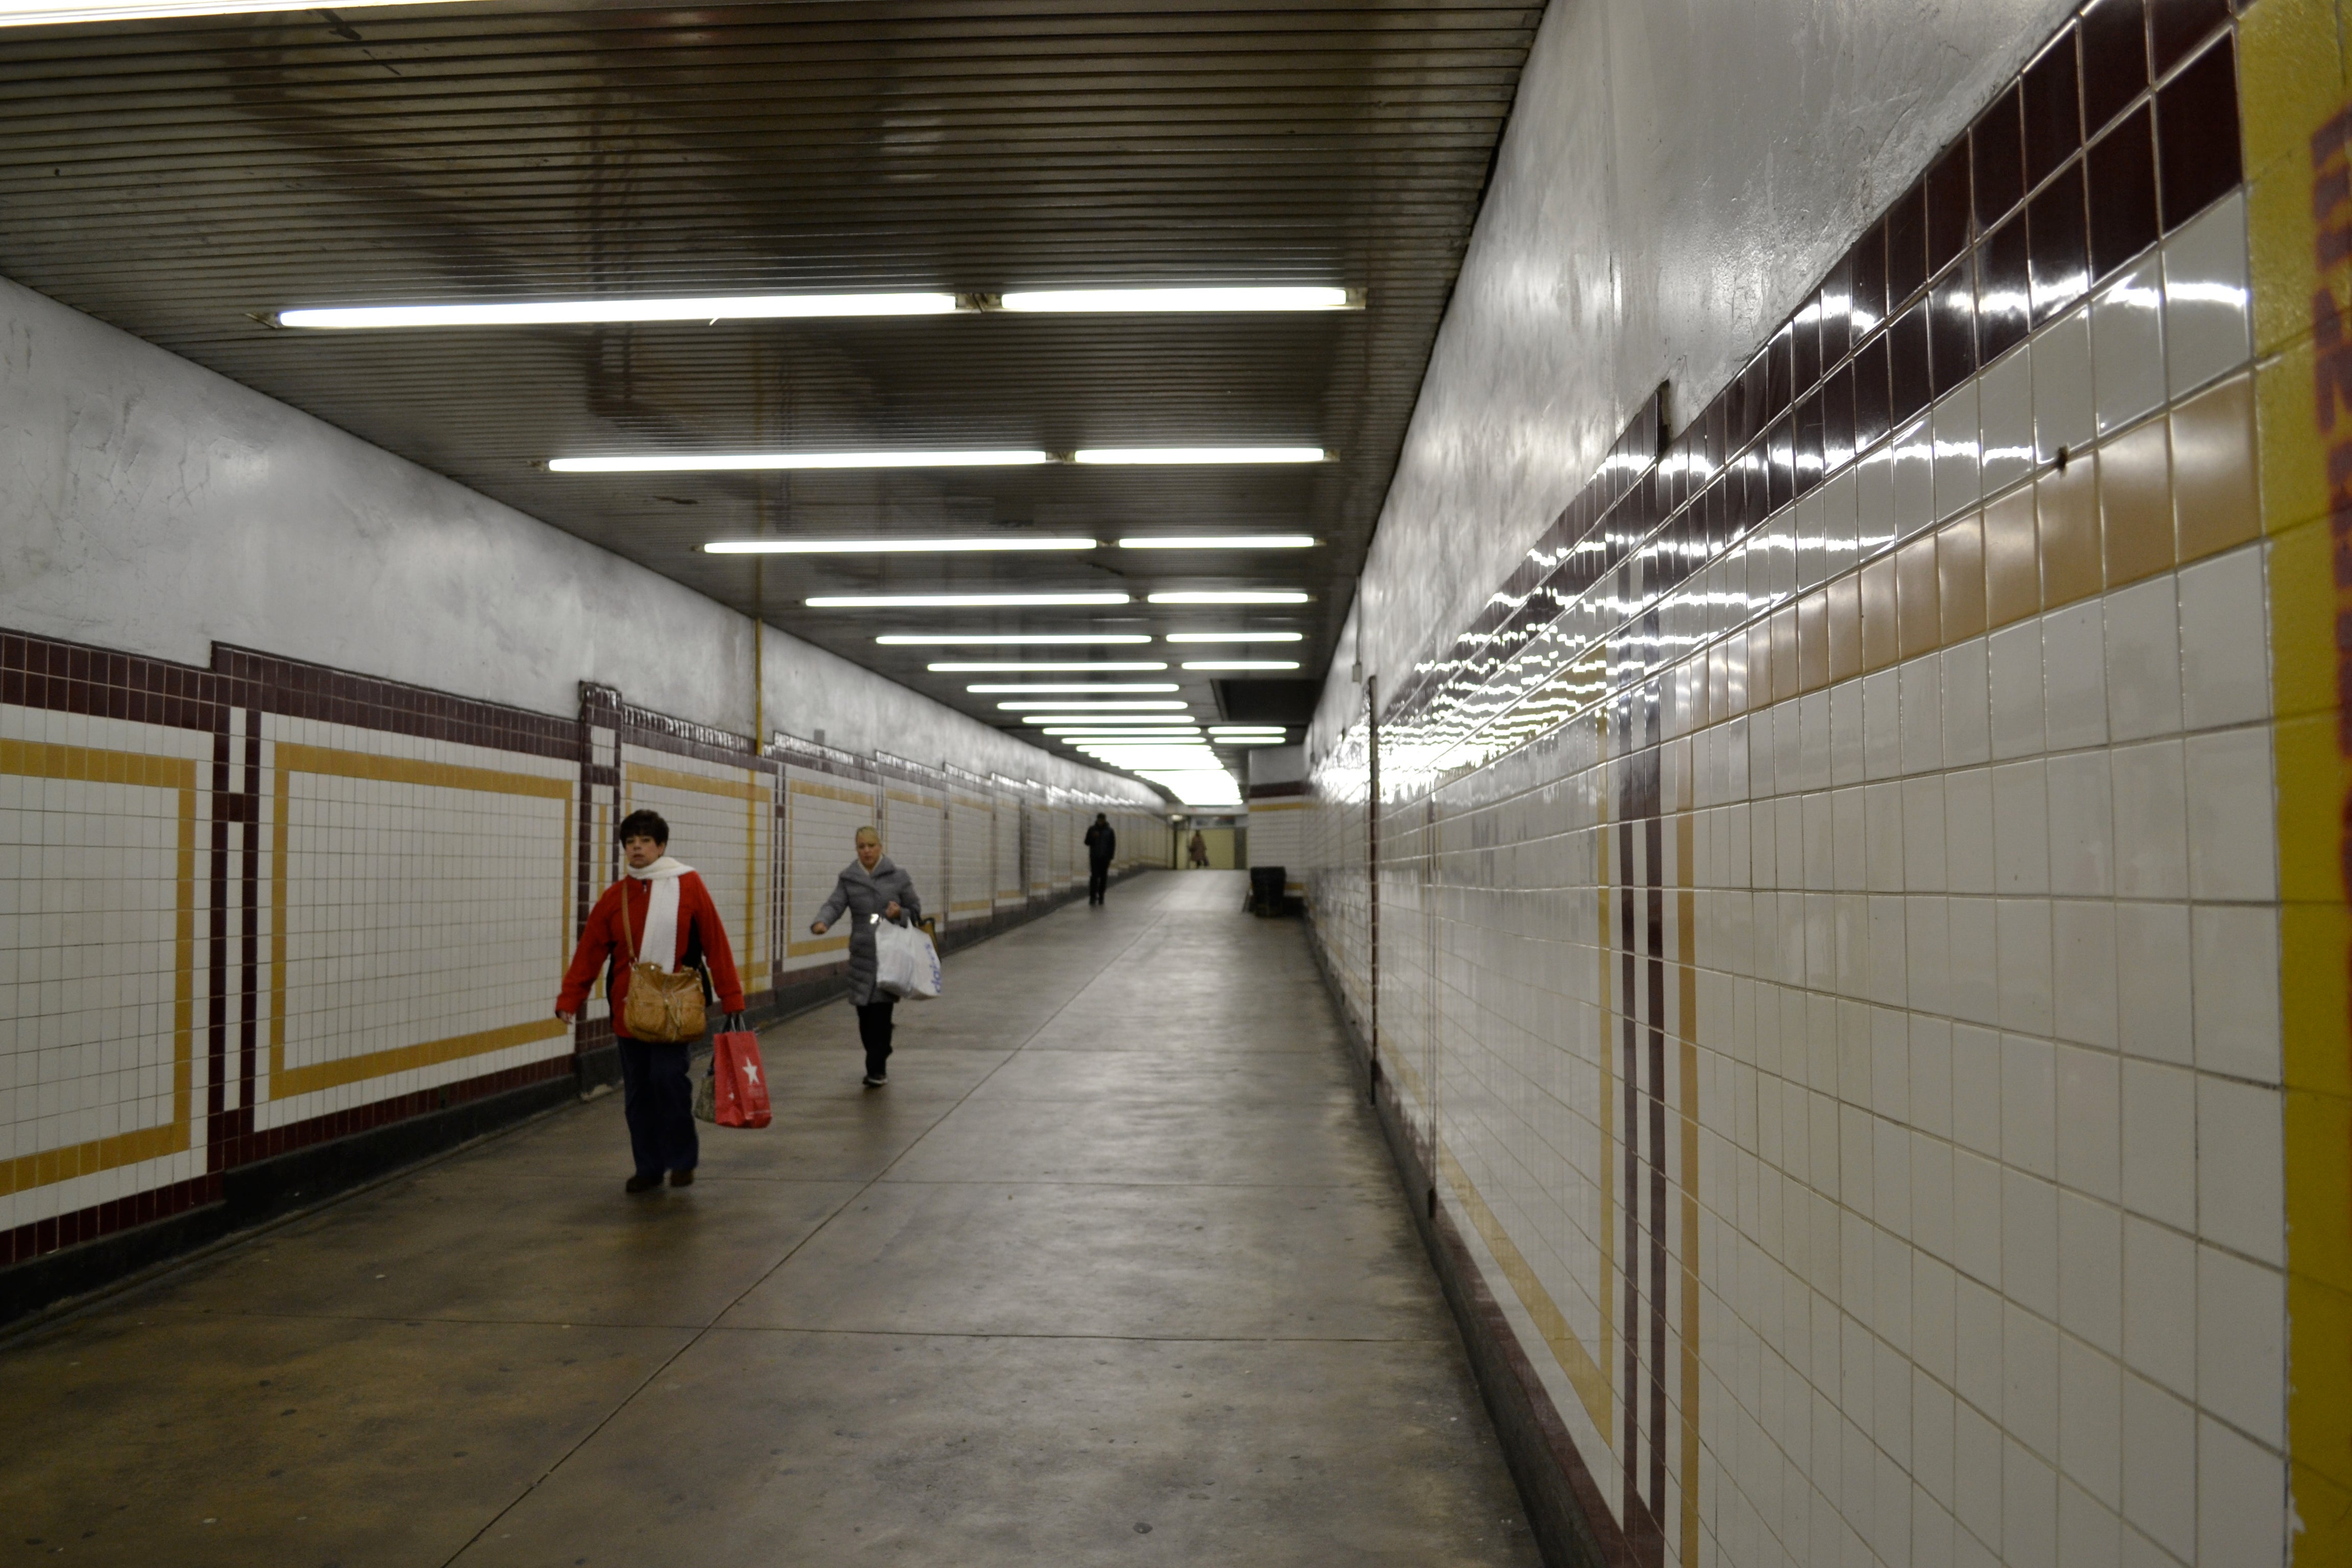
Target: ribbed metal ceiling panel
<point x="183" y="180"/>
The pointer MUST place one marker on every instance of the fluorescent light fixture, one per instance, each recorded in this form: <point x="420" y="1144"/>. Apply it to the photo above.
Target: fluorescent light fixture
<point x="954" y="600"/>
<point x="1142" y="301"/>
<point x="1249" y="741"/>
<point x="1241" y="664"/>
<point x="1007" y="640"/>
<point x="1199" y="455"/>
<point x="1110" y="730"/>
<point x="1040" y="667"/>
<point x="562" y="312"/>
<point x="1249" y="729"/>
<point x="1234" y="596"/>
<point x="1065" y="715"/>
<point x="756" y="462"/>
<point x="1064" y="705"/>
<point x="891" y="546"/>
<point x="1040" y="688"/>
<point x="1219" y="542"/>
<point x="1139" y="723"/>
<point x="1196" y="786"/>
<point x="1236" y="637"/>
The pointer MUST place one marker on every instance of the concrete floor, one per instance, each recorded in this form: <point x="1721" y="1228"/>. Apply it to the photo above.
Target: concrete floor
<point x="1115" y="1270"/>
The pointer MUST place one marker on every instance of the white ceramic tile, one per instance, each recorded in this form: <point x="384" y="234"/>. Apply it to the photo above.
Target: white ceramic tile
<point x="2081" y="795"/>
<point x="2074" y="675"/>
<point x="2090" y="1271"/>
<point x="2231" y="851"/>
<point x="2090" y="1121"/>
<point x="1976" y="1473"/>
<point x="2029" y="1535"/>
<point x="2014" y="673"/>
<point x="2241" y="1155"/>
<point x="1966" y="728"/>
<point x="2242" y="1343"/>
<point x="2127" y="347"/>
<point x="2025" y="957"/>
<point x="1882" y="727"/>
<point x="1922" y="714"/>
<point x="2090" y="1413"/>
<point x="2241" y="1499"/>
<point x="1882" y="837"/>
<point x="2006" y="407"/>
<point x="2224" y="667"/>
<point x="2090" y="1534"/>
<point x="2083" y="972"/>
<point x="1973" y="986"/>
<point x="2143" y="675"/>
<point x="2063" y="412"/>
<point x="2207" y="299"/>
<point x="2028" y="1247"/>
<point x="1874" y="491"/>
<point x="1976" y="1090"/>
<point x="1915" y="478"/>
<point x="2020" y="828"/>
<point x="2160" y="1305"/>
<point x="2159" y="1142"/>
<point x="1968" y="853"/>
<point x="1959" y="462"/>
<point x="2151" y="820"/>
<point x="2029" y="1105"/>
<point x="2235" y="955"/>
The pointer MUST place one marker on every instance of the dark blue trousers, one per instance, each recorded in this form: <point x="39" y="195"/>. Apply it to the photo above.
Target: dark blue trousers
<point x="659" y="1104"/>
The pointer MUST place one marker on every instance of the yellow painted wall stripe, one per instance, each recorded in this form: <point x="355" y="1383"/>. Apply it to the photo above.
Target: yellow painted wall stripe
<point x="2293" y="85"/>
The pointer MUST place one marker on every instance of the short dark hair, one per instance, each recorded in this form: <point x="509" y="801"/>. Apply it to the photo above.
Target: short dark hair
<point x="644" y="825"/>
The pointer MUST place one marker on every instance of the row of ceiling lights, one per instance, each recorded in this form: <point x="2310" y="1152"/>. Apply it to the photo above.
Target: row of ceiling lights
<point x="1171" y="749"/>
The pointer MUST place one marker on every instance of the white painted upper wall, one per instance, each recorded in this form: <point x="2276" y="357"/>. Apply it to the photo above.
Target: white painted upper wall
<point x="1676" y="176"/>
<point x="150" y="506"/>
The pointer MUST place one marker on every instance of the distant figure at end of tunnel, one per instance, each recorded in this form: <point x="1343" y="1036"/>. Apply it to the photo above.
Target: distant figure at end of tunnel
<point x="1102" y="843"/>
<point x="868" y="886"/>
<point x="659" y="912"/>
<point x="1197" y="852"/>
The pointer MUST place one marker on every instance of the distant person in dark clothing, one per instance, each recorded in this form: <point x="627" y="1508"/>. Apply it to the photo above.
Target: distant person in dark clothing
<point x="1197" y="852"/>
<point x="1102" y="843"/>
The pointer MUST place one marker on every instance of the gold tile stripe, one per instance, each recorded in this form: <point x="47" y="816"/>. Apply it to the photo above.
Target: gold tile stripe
<point x="1591" y="1383"/>
<point x="1280" y="805"/>
<point x="1686" y="977"/>
<point x="1607" y="1240"/>
<point x="753" y="795"/>
<point x="286" y="1083"/>
<point x="43" y="760"/>
<point x="2294" y="84"/>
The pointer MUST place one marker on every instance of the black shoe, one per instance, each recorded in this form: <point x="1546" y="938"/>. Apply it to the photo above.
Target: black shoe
<point x="681" y="1178"/>
<point x="876" y="1079"/>
<point x="642" y="1182"/>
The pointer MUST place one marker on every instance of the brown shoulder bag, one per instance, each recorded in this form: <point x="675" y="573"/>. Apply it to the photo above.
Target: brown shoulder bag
<point x="662" y="1007"/>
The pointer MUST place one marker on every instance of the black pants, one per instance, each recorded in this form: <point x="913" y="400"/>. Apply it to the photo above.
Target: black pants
<point x="874" y="1031"/>
<point x="1097" y="880"/>
<point x="659" y="1104"/>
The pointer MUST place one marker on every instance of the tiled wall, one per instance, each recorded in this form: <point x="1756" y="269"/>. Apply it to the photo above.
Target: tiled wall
<point x="1825" y="930"/>
<point x="257" y="906"/>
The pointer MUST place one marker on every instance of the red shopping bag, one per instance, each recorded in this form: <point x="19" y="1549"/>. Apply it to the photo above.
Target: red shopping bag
<point x="742" y="1088"/>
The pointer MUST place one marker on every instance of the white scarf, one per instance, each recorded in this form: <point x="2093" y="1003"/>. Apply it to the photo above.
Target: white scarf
<point x="660" y="935"/>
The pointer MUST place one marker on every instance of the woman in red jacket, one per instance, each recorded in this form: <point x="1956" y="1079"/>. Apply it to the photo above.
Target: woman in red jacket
<point x="673" y="921"/>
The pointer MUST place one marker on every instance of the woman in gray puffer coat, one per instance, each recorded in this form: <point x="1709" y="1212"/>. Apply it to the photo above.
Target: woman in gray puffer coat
<point x="870" y="885"/>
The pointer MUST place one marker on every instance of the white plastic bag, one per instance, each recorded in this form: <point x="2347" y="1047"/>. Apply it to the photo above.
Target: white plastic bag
<point x="906" y="964"/>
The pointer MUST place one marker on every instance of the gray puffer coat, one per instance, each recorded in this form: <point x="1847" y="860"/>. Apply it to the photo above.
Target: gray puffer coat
<point x="859" y="892"/>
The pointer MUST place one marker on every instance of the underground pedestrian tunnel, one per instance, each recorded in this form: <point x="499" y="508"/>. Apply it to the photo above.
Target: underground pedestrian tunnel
<point x="1621" y="729"/>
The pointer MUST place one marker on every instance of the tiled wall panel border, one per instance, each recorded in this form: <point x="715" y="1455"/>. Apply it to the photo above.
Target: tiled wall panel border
<point x="229" y="1014"/>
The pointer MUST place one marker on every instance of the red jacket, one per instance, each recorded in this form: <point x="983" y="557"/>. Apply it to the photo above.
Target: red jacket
<point x="605" y="940"/>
